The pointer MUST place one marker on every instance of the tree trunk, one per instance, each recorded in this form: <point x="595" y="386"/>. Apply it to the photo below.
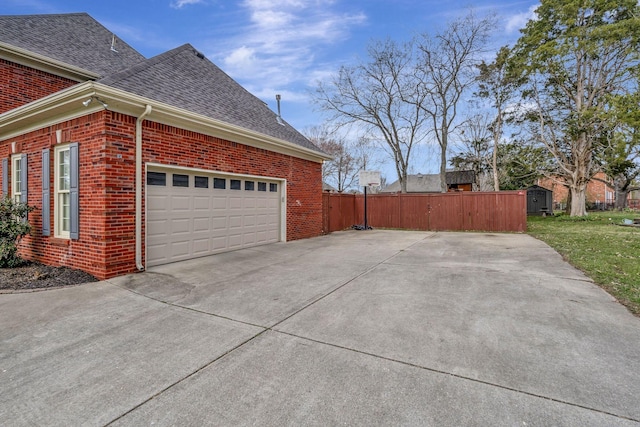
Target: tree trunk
<point x="578" y="199"/>
<point x="403" y="183"/>
<point x="621" y="199"/>
<point x="621" y="186"/>
<point x="580" y="176"/>
<point x="443" y="173"/>
<point x="494" y="166"/>
<point x="497" y="132"/>
<point x="567" y="208"/>
<point x="444" y="136"/>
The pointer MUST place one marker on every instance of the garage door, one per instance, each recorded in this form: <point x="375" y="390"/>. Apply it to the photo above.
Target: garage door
<point x="194" y="214"/>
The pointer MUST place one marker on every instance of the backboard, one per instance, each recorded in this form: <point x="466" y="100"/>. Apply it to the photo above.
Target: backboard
<point x="369" y="178"/>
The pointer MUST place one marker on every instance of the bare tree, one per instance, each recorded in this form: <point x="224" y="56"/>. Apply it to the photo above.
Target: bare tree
<point x="447" y="70"/>
<point x="381" y="95"/>
<point x="473" y="150"/>
<point x="341" y="170"/>
<point x="497" y="86"/>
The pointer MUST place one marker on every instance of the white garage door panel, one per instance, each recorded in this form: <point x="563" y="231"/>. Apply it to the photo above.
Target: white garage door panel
<point x="187" y="222"/>
<point x="201" y="224"/>
<point x="201" y="246"/>
<point x="219" y="223"/>
<point x="180" y="227"/>
<point x="235" y="202"/>
<point x="201" y="203"/>
<point x="180" y="203"/>
<point x="235" y="241"/>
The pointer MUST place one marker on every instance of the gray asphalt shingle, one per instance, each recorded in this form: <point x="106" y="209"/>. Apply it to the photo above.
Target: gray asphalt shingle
<point x="184" y="78"/>
<point x="75" y="39"/>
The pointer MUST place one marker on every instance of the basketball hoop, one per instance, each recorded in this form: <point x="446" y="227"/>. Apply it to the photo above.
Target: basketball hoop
<point x="369" y="178"/>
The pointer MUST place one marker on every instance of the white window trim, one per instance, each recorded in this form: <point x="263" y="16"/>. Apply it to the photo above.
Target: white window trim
<point x="57" y="216"/>
<point x="16" y="191"/>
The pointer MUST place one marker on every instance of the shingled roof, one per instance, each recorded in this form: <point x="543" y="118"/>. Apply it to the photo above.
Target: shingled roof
<point x="430" y="183"/>
<point x="75" y="39"/>
<point x="184" y="78"/>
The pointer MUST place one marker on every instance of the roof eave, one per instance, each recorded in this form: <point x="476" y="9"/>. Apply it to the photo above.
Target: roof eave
<point x="44" y="63"/>
<point x="67" y="104"/>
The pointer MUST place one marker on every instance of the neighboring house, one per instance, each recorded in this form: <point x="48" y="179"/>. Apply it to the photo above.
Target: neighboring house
<point x="600" y="191"/>
<point x="634" y="199"/>
<point x="430" y="183"/>
<point x="135" y="162"/>
<point x="328" y="188"/>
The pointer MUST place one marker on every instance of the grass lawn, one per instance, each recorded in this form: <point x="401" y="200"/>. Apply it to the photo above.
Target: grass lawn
<point x="606" y="252"/>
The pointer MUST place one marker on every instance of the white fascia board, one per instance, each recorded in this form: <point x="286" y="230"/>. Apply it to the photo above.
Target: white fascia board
<point x="67" y="104"/>
<point x="122" y="102"/>
<point x="44" y="63"/>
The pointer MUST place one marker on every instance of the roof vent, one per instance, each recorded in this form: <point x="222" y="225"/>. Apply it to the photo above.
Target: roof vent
<point x="113" y="43"/>
<point x="279" y="117"/>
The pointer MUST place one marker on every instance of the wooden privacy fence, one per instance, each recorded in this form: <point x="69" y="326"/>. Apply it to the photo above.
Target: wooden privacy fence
<point x="460" y="211"/>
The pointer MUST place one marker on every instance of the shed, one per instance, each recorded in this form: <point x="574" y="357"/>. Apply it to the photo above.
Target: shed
<point x="539" y="201"/>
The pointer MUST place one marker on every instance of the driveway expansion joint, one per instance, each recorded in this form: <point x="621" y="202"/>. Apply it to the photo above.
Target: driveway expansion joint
<point x="457" y="376"/>
<point x="186" y="377"/>
<point x="195" y="310"/>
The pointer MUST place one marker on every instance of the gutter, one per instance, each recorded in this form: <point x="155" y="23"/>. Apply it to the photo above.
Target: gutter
<point x="138" y="225"/>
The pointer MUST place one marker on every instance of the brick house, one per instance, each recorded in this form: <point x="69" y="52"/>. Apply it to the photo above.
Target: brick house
<point x="134" y="162"/>
<point x="600" y="191"/>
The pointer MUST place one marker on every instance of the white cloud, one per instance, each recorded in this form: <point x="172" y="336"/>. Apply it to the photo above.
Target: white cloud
<point x="519" y="20"/>
<point x="179" y="4"/>
<point x="243" y="57"/>
<point x="281" y="41"/>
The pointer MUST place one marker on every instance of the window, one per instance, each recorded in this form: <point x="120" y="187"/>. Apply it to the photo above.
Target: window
<point x="157" y="178"/>
<point x="249" y="185"/>
<point x="62" y="183"/>
<point x="16" y="178"/>
<point x="235" y="184"/>
<point x="66" y="195"/>
<point x="219" y="183"/>
<point x="202" y="182"/>
<point x="180" y="180"/>
<point x="262" y="186"/>
<point x="273" y="188"/>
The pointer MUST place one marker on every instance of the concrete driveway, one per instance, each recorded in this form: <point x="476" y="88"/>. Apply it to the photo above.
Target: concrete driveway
<point x="354" y="328"/>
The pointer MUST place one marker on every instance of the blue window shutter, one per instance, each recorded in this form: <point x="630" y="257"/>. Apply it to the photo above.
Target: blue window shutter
<point x="23" y="178"/>
<point x="5" y="177"/>
<point x="73" y="190"/>
<point x="46" y="194"/>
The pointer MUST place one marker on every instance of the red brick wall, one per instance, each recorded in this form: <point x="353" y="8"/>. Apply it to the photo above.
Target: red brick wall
<point x="596" y="189"/>
<point x="106" y="245"/>
<point x="88" y="252"/>
<point x="21" y="85"/>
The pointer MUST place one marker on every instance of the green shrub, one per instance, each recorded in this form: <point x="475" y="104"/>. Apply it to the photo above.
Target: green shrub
<point x="13" y="227"/>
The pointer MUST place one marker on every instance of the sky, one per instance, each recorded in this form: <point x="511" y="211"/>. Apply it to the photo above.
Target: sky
<point x="280" y="46"/>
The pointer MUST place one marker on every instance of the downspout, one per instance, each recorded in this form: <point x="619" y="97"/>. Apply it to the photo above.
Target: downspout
<point x="139" y="121"/>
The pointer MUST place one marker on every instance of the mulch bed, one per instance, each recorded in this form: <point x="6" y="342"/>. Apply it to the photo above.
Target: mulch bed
<point x="34" y="275"/>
